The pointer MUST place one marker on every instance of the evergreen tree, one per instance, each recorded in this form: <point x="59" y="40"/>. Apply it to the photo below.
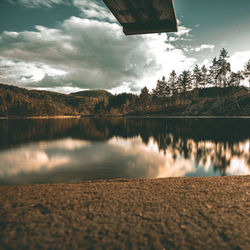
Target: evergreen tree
<point x="197" y="76"/>
<point x="145" y="97"/>
<point x="247" y="66"/>
<point x="247" y="71"/>
<point x="235" y="78"/>
<point x="214" y="72"/>
<point x="224" y="68"/>
<point x="162" y="89"/>
<point x="204" y="76"/>
<point x="173" y="84"/>
<point x="185" y="80"/>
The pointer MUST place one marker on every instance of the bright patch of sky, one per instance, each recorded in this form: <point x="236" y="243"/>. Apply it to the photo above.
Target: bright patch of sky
<point x="66" y="45"/>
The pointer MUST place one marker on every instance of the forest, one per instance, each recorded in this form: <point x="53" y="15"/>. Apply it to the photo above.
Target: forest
<point x="202" y="91"/>
<point x="190" y="93"/>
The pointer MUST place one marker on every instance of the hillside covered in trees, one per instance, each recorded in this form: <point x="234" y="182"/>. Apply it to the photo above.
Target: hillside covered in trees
<point x="213" y="91"/>
<point x="16" y="101"/>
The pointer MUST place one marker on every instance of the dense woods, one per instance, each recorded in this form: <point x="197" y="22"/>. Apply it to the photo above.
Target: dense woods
<point x="213" y="90"/>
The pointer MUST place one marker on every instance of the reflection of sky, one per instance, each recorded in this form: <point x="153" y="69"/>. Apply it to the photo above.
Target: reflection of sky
<point x="69" y="160"/>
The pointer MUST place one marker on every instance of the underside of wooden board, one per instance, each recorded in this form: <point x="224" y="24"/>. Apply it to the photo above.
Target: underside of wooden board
<point x="144" y="16"/>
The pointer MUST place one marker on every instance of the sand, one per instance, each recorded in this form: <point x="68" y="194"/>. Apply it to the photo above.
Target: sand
<point x="172" y="213"/>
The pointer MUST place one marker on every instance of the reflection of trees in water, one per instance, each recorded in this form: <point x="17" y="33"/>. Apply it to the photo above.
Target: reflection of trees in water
<point x="214" y="141"/>
<point x="16" y="131"/>
<point x="217" y="154"/>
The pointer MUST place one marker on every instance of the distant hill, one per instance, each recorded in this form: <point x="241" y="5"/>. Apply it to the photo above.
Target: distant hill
<point x="15" y="101"/>
<point x="93" y="93"/>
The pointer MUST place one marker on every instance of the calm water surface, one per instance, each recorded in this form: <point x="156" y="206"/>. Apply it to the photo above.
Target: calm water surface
<point x="70" y="150"/>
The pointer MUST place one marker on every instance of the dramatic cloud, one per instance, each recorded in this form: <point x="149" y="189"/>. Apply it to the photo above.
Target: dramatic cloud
<point x="95" y="54"/>
<point x="83" y="53"/>
<point x="25" y="73"/>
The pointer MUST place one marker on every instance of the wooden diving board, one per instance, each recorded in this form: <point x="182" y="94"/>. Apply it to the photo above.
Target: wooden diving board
<point x="144" y="16"/>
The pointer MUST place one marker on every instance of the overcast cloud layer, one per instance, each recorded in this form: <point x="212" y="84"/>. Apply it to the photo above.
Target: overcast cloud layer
<point x="91" y="52"/>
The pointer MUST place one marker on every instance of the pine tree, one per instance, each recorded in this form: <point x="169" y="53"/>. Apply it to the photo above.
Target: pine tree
<point x="145" y="97"/>
<point x="224" y="68"/>
<point x="204" y="76"/>
<point x="235" y="78"/>
<point x="173" y="84"/>
<point x="185" y="80"/>
<point x="214" y="72"/>
<point x="162" y="90"/>
<point x="197" y="76"/>
<point x="247" y="71"/>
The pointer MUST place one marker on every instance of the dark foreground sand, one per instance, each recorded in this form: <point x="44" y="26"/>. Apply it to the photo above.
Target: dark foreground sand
<point x="174" y="213"/>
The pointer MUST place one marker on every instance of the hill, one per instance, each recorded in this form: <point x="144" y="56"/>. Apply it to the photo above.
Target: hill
<point x="92" y="93"/>
<point x="215" y="101"/>
<point x="15" y="101"/>
<point x="231" y="101"/>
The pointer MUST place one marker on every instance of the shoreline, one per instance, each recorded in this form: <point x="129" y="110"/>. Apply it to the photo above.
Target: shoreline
<point x="41" y="117"/>
<point x="126" y="116"/>
<point x="171" y="213"/>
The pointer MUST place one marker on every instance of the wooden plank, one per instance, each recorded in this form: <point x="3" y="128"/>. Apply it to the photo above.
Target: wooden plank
<point x="144" y="16"/>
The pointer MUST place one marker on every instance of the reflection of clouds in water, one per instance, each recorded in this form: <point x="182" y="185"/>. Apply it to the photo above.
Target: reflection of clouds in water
<point x="238" y="167"/>
<point x="143" y="158"/>
<point x="67" y="143"/>
<point x="35" y="157"/>
<point x="159" y="165"/>
<point x="175" y="168"/>
<point x="162" y="165"/>
<point x="28" y="160"/>
<point x="80" y="159"/>
<point x="75" y="160"/>
<point x="245" y="147"/>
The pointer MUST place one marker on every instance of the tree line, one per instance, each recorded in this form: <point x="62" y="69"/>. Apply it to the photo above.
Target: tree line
<point x="200" y="87"/>
<point x="217" y="80"/>
<point x="218" y="74"/>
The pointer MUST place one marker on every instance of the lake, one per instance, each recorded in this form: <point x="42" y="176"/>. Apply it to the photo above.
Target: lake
<point x="81" y="149"/>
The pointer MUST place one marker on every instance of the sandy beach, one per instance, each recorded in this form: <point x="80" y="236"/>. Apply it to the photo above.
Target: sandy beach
<point x="171" y="213"/>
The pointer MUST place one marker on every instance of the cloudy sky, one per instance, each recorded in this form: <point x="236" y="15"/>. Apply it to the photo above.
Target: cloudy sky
<point x="70" y="45"/>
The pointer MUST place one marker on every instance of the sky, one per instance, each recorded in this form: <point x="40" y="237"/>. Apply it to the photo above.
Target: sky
<point x="72" y="45"/>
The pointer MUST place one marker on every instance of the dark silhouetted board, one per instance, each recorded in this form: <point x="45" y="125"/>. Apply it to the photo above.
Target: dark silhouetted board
<point x="144" y="16"/>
